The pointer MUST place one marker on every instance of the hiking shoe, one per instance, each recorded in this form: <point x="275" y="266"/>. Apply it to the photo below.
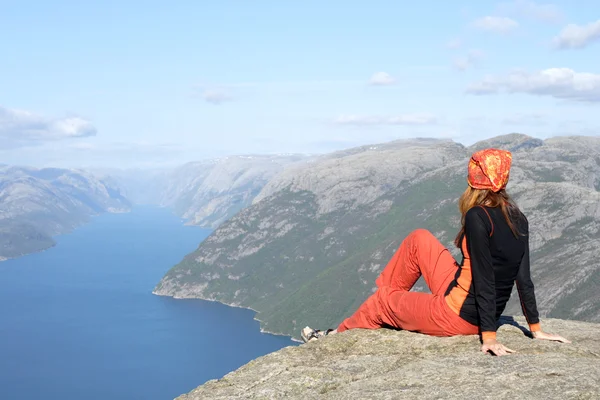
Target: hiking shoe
<point x="309" y="334"/>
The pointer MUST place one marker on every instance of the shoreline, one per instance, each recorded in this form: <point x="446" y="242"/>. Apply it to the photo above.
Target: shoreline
<point x="38" y="251"/>
<point x="68" y="230"/>
<point x="262" y="330"/>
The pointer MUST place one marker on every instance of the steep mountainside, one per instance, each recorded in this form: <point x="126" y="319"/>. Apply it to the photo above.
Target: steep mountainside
<point x="386" y="364"/>
<point x="36" y="204"/>
<point x="204" y="193"/>
<point x="308" y="250"/>
<point x="209" y="192"/>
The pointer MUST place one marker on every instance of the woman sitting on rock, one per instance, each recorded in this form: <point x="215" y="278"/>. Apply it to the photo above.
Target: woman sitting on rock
<point x="465" y="299"/>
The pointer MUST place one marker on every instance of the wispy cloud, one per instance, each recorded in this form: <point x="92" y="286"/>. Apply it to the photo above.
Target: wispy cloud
<point x="93" y="153"/>
<point x="454" y="43"/>
<point x="544" y="12"/>
<point x="496" y="24"/>
<point x="577" y="127"/>
<point x="468" y="61"/>
<point x="130" y="147"/>
<point x="216" y="96"/>
<point x="561" y="83"/>
<point x="19" y="128"/>
<point x="382" y="79"/>
<point x="82" y="146"/>
<point x="402" y="119"/>
<point x="533" y="118"/>
<point x="577" y="36"/>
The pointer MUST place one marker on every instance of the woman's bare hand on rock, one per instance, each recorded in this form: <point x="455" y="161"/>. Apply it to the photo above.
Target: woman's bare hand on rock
<point x="548" y="336"/>
<point x="496" y="348"/>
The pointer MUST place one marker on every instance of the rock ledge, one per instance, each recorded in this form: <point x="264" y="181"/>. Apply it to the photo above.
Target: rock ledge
<point x="388" y="364"/>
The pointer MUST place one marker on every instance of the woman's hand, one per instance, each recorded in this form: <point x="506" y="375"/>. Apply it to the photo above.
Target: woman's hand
<point x="548" y="336"/>
<point x="495" y="347"/>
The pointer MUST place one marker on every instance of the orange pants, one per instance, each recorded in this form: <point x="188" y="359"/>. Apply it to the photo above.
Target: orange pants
<point x="394" y="305"/>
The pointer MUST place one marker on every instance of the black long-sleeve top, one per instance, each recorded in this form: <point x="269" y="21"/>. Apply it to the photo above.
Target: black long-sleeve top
<point x="493" y="261"/>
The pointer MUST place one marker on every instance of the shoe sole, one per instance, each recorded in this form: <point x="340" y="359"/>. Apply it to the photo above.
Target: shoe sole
<point x="304" y="337"/>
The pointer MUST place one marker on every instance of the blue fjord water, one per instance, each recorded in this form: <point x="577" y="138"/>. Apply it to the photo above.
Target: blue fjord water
<point x="78" y="321"/>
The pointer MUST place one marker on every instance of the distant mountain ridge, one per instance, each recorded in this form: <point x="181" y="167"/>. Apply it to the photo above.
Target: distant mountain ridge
<point x="307" y="251"/>
<point x="205" y="193"/>
<point x="37" y="204"/>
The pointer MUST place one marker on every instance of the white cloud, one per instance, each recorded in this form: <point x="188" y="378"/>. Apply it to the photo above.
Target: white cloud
<point x="382" y="79"/>
<point x="215" y="96"/>
<point x="496" y="24"/>
<point x="468" y="61"/>
<point x="577" y="36"/>
<point x="19" y="128"/>
<point x="561" y="83"/>
<point x="530" y="9"/>
<point x="403" y="119"/>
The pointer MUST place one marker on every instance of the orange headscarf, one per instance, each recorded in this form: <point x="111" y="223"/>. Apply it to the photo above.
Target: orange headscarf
<point x="489" y="169"/>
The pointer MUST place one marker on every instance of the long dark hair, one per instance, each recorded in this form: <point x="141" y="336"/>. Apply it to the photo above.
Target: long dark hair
<point x="485" y="197"/>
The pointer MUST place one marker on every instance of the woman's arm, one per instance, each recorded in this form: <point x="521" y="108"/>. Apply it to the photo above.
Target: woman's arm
<point x="526" y="290"/>
<point x="525" y="286"/>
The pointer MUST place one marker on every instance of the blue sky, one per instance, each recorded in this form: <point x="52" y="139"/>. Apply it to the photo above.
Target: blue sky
<point x="154" y="83"/>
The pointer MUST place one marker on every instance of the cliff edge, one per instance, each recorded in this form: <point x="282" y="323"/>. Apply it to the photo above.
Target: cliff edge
<point x="389" y="364"/>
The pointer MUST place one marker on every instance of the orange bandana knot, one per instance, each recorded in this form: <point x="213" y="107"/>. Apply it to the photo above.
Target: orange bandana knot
<point x="489" y="169"/>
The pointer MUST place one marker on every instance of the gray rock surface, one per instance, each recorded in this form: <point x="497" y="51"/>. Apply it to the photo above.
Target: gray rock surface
<point x="387" y="364"/>
<point x="349" y="178"/>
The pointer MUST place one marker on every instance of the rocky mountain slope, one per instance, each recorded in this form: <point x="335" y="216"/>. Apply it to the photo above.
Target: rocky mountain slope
<point x="208" y="193"/>
<point x="387" y="364"/>
<point x="37" y="204"/>
<point x="308" y="250"/>
<point x="205" y="193"/>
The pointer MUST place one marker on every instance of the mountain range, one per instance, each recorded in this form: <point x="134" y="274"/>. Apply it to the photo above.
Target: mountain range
<point x="38" y="204"/>
<point x="301" y="239"/>
<point x="309" y="247"/>
<point x="204" y="193"/>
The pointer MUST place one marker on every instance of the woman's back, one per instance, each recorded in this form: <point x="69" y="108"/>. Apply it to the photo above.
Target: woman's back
<point x="492" y="259"/>
<point x="505" y="248"/>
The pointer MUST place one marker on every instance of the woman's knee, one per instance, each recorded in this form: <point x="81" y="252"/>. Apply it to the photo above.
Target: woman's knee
<point x="421" y="234"/>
